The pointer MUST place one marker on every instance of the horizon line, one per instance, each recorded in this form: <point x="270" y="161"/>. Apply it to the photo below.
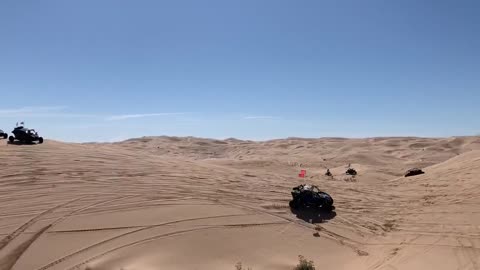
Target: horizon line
<point x="265" y="140"/>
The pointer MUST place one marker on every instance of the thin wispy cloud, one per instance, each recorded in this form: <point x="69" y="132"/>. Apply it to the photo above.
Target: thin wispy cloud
<point x="61" y="112"/>
<point x="41" y="112"/>
<point x="255" y="117"/>
<point x="32" y="109"/>
<point x="141" y="115"/>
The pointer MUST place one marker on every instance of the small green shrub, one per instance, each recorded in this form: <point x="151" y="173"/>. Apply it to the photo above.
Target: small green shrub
<point x="303" y="264"/>
<point x="239" y="266"/>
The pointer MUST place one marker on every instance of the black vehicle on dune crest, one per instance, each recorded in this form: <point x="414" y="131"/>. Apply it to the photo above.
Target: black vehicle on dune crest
<point x="309" y="196"/>
<point x="3" y="135"/>
<point x="25" y="135"/>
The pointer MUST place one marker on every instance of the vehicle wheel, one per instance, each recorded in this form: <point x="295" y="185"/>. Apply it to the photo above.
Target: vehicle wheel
<point x="327" y="208"/>
<point x="294" y="204"/>
<point x="291" y="204"/>
<point x="11" y="139"/>
<point x="5" y="135"/>
<point x="40" y="140"/>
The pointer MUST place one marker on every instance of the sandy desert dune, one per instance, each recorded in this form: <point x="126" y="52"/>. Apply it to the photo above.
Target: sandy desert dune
<point x="190" y="203"/>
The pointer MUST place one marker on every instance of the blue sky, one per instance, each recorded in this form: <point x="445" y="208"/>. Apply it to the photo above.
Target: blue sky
<point x="109" y="70"/>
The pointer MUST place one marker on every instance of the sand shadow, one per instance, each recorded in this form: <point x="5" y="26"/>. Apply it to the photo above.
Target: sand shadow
<point x="21" y="143"/>
<point x="314" y="216"/>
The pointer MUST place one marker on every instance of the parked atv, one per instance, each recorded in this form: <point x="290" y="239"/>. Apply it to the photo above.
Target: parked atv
<point x="351" y="171"/>
<point x="309" y="196"/>
<point x="25" y="135"/>
<point x="3" y="134"/>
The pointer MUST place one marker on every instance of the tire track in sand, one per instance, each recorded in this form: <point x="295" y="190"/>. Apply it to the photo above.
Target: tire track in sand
<point x="51" y="264"/>
<point x="89" y="207"/>
<point x="9" y="238"/>
<point x="342" y="240"/>
<point x="156" y="237"/>
<point x="9" y="261"/>
<point x="59" y="220"/>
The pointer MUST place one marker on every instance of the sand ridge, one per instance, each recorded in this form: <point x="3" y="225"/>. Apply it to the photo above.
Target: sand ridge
<point x="192" y="203"/>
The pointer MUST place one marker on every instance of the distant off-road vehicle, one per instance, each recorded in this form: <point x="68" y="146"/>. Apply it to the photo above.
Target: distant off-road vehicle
<point x="351" y="171"/>
<point x="3" y="135"/>
<point x="413" y="172"/>
<point x="25" y="135"/>
<point x="309" y="196"/>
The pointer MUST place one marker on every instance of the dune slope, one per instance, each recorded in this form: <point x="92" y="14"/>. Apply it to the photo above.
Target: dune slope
<point x="183" y="203"/>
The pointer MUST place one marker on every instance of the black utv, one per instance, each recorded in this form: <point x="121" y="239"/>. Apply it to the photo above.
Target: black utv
<point x="25" y="135"/>
<point x="3" y="135"/>
<point x="413" y="172"/>
<point x="309" y="196"/>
